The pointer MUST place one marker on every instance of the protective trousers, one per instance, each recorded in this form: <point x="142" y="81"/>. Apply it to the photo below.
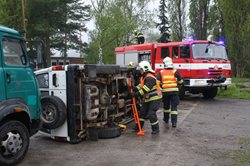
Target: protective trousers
<point x="148" y="111"/>
<point x="170" y="103"/>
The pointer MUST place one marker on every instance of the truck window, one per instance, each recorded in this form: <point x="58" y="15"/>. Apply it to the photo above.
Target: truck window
<point x="164" y="52"/>
<point x="185" y="51"/>
<point x="175" y="52"/>
<point x="13" y="52"/>
<point x="144" y="56"/>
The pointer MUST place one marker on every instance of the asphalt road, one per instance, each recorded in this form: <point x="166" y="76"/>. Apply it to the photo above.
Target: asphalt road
<point x="207" y="131"/>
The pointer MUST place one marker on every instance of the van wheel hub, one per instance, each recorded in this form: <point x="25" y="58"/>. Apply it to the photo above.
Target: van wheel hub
<point x="12" y="143"/>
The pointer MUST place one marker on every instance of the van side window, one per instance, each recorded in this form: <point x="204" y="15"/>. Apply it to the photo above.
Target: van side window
<point x="13" y="52"/>
<point x="185" y="51"/>
<point x="175" y="52"/>
<point x="164" y="52"/>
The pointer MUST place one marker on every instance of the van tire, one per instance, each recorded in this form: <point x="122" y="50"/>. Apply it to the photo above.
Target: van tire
<point x="53" y="112"/>
<point x="14" y="140"/>
<point x="109" y="132"/>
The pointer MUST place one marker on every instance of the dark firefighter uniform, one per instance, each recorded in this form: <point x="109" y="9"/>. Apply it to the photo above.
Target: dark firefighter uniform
<point x="149" y="89"/>
<point x="139" y="37"/>
<point x="170" y="78"/>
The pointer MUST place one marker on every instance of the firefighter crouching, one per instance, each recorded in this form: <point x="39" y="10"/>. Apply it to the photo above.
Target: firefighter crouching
<point x="169" y="79"/>
<point x="149" y="89"/>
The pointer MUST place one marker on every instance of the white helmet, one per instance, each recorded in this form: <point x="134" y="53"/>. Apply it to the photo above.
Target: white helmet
<point x="145" y="66"/>
<point x="168" y="62"/>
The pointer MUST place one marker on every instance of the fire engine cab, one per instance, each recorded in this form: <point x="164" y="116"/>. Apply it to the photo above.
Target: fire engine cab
<point x="203" y="64"/>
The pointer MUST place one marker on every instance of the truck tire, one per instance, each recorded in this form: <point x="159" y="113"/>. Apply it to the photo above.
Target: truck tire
<point x="181" y="92"/>
<point x="210" y="93"/>
<point x="53" y="112"/>
<point x="14" y="142"/>
<point x="109" y="132"/>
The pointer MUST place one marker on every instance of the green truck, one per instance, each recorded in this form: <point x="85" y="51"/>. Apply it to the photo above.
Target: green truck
<point x="20" y="105"/>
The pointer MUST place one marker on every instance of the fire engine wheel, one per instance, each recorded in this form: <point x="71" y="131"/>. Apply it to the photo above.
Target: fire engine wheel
<point x="210" y="93"/>
<point x="109" y="132"/>
<point x="53" y="112"/>
<point x="14" y="142"/>
<point x="181" y="93"/>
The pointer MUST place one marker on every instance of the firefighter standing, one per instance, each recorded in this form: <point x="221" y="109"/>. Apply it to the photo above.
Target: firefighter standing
<point x="149" y="90"/>
<point x="170" y="78"/>
<point x="139" y="37"/>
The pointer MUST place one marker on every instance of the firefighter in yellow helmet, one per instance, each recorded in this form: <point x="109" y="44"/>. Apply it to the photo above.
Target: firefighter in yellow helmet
<point x="139" y="37"/>
<point x="169" y="79"/>
<point x="148" y="89"/>
<point x="130" y="64"/>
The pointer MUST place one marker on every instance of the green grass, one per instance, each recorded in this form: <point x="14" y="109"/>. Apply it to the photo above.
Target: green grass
<point x="241" y="156"/>
<point x="236" y="90"/>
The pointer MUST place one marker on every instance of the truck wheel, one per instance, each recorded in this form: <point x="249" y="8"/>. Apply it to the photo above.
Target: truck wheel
<point x="109" y="132"/>
<point x="210" y="93"/>
<point x="53" y="112"/>
<point x="181" y="92"/>
<point x="14" y="142"/>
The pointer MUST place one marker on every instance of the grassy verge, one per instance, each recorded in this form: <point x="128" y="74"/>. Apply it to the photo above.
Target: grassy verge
<point x="240" y="89"/>
<point x="242" y="156"/>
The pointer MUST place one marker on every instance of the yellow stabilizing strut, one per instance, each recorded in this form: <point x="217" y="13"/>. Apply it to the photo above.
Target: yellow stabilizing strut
<point x="134" y="109"/>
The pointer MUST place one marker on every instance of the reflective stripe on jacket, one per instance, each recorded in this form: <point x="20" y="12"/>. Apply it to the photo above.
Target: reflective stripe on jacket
<point x="169" y="81"/>
<point x="149" y="94"/>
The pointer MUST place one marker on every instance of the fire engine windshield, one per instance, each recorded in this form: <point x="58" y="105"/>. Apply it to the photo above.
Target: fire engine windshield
<point x="209" y="51"/>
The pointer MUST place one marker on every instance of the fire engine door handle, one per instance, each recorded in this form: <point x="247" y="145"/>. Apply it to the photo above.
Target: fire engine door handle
<point x="54" y="80"/>
<point x="8" y="78"/>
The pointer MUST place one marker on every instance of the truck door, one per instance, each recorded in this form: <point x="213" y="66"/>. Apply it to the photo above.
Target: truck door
<point x="18" y="76"/>
<point x="182" y="63"/>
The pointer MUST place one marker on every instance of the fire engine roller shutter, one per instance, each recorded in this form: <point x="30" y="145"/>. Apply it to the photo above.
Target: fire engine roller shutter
<point x="53" y="112"/>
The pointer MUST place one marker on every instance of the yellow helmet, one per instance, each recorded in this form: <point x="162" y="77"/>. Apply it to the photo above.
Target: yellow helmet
<point x="130" y="64"/>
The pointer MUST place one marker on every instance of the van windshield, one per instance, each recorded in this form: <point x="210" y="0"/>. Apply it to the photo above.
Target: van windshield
<point x="209" y="51"/>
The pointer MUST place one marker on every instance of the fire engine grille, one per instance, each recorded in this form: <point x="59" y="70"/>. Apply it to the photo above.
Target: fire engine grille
<point x="215" y="72"/>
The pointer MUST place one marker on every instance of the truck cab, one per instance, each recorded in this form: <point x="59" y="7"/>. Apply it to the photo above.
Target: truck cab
<point x="20" y="105"/>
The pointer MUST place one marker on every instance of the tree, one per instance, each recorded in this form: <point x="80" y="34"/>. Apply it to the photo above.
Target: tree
<point x="216" y="22"/>
<point x="73" y="15"/>
<point x="11" y="14"/>
<point x="115" y="21"/>
<point x="198" y="14"/>
<point x="163" y="25"/>
<point x="177" y="14"/>
<point x="237" y="27"/>
<point x="42" y="22"/>
<point x="58" y="23"/>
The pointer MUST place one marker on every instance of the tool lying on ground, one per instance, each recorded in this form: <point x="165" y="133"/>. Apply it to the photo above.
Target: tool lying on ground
<point x="134" y="109"/>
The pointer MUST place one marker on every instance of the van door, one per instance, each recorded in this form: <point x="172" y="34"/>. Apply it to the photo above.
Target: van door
<point x="18" y="76"/>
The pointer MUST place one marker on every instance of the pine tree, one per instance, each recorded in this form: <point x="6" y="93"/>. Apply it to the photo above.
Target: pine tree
<point x="163" y="26"/>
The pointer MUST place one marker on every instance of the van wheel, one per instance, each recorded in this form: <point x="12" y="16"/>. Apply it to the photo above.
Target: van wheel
<point x="109" y="132"/>
<point x="53" y="112"/>
<point x="14" y="142"/>
<point x="210" y="93"/>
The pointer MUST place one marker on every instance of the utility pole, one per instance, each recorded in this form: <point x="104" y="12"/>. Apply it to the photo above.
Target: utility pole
<point x="23" y="18"/>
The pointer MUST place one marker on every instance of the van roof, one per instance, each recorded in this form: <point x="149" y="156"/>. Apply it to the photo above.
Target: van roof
<point x="8" y="30"/>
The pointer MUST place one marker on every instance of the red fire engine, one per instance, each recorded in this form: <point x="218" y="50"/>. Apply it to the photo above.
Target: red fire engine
<point x="203" y="64"/>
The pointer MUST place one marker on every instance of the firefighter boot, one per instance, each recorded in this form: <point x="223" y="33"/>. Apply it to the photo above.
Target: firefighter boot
<point x="166" y="117"/>
<point x="174" y="120"/>
<point x="136" y="128"/>
<point x="155" y="129"/>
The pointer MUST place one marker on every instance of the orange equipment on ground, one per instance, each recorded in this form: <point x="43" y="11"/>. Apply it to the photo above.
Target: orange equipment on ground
<point x="134" y="109"/>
